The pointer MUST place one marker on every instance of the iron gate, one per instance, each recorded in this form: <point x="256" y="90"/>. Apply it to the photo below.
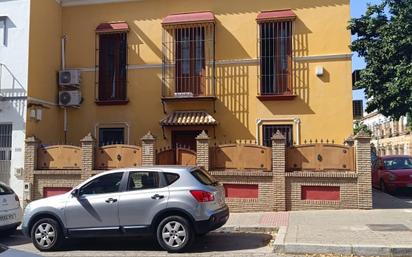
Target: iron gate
<point x="5" y="152"/>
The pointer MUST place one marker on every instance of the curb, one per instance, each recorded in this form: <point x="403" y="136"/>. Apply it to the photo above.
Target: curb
<point x="280" y="246"/>
<point x="358" y="250"/>
<point x="245" y="229"/>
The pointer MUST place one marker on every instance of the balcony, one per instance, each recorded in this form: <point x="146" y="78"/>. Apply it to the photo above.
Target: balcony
<point x="276" y="50"/>
<point x="10" y="87"/>
<point x="188" y="46"/>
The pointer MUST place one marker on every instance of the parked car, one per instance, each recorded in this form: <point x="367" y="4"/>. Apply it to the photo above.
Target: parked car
<point x="392" y="172"/>
<point x="172" y="203"/>
<point x="10" y="210"/>
<point x="7" y="252"/>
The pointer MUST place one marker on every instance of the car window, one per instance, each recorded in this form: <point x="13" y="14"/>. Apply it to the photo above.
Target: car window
<point x="204" y="177"/>
<point x="105" y="184"/>
<point x="171" y="178"/>
<point x="5" y="190"/>
<point x="399" y="163"/>
<point x="140" y="180"/>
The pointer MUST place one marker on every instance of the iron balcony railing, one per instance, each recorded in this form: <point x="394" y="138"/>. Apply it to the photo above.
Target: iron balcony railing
<point x="10" y="87"/>
<point x="188" y="69"/>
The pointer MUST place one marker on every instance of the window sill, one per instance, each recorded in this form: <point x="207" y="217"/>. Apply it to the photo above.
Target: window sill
<point x="284" y="97"/>
<point x="112" y="102"/>
<point x="188" y="99"/>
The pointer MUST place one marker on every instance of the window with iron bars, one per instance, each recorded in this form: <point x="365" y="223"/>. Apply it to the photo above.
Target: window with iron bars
<point x="270" y="130"/>
<point x="111" y="136"/>
<point x="188" y="60"/>
<point x="276" y="50"/>
<point x="6" y="131"/>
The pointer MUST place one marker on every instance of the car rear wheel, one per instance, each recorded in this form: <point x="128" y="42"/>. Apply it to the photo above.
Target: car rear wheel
<point x="46" y="235"/>
<point x="175" y="234"/>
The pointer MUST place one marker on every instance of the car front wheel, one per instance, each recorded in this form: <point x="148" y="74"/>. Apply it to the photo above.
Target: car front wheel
<point x="46" y="235"/>
<point x="175" y="234"/>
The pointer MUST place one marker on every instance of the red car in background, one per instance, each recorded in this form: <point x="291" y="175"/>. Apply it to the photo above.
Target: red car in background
<point x="392" y="172"/>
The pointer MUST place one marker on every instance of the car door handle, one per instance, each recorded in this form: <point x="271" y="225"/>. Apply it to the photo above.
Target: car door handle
<point x="157" y="197"/>
<point x="111" y="200"/>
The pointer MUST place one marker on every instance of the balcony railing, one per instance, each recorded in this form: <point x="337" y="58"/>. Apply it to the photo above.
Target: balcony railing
<point x="10" y="87"/>
<point x="188" y="70"/>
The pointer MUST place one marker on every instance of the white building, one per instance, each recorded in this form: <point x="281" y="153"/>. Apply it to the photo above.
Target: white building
<point x="14" y="40"/>
<point x="391" y="137"/>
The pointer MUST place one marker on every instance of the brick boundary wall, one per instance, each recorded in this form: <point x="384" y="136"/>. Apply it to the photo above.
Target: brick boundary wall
<point x="277" y="190"/>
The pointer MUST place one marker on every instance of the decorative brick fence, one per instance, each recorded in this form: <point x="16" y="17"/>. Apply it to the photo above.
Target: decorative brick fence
<point x="256" y="178"/>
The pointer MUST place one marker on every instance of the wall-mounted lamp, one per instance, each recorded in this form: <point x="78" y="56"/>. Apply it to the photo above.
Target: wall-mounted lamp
<point x="319" y="71"/>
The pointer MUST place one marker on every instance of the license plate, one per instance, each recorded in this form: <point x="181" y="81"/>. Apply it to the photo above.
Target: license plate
<point x="8" y="217"/>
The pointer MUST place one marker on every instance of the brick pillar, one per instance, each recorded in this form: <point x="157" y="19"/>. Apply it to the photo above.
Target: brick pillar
<point x="278" y="169"/>
<point x="148" y="150"/>
<point x="363" y="168"/>
<point x="30" y="165"/>
<point x="202" y="149"/>
<point x="88" y="155"/>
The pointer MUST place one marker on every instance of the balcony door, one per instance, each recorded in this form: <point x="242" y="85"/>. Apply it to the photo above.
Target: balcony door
<point x="190" y="61"/>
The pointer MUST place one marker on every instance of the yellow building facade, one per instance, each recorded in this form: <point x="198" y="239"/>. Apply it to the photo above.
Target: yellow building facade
<point x="232" y="103"/>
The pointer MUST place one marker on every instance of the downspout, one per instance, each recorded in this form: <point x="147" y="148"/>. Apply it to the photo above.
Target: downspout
<point x="63" y="67"/>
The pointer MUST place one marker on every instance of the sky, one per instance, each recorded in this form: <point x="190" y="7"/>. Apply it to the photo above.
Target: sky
<point x="358" y="7"/>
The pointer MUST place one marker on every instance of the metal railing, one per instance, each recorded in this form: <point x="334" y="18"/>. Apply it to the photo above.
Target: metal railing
<point x="10" y="87"/>
<point x="188" y="68"/>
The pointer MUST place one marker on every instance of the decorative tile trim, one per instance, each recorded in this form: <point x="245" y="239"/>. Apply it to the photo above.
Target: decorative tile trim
<point x="244" y="173"/>
<point x="326" y="174"/>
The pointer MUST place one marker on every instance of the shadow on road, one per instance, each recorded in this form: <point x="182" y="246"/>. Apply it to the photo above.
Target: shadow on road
<point x="15" y="239"/>
<point x="215" y="242"/>
<point x="401" y="199"/>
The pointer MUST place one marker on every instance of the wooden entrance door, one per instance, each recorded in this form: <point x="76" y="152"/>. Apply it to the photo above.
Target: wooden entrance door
<point x="185" y="139"/>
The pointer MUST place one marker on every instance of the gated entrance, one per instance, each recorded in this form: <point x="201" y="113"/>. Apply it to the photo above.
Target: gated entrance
<point x="176" y="156"/>
<point x="5" y="152"/>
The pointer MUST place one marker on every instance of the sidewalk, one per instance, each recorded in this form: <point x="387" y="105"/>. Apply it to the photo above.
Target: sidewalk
<point x="378" y="232"/>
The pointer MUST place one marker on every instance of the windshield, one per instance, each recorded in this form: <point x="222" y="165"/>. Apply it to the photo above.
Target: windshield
<point x="204" y="178"/>
<point x="398" y="163"/>
<point x="5" y="190"/>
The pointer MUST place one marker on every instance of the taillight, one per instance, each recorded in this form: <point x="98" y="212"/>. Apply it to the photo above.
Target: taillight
<point x="202" y="196"/>
<point x="17" y="198"/>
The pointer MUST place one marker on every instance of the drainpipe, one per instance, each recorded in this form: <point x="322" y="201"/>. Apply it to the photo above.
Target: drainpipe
<point x="63" y="67"/>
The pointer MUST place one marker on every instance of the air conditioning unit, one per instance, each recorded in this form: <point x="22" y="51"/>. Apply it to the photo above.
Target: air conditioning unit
<point x="69" y="77"/>
<point x="70" y="98"/>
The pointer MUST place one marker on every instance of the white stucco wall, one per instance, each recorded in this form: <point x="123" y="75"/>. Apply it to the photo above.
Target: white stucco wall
<point x="14" y="56"/>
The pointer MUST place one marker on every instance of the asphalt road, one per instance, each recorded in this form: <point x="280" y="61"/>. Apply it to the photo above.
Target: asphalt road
<point x="401" y="199"/>
<point x="214" y="244"/>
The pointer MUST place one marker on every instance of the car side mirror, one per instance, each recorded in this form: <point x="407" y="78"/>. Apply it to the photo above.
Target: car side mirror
<point x="75" y="192"/>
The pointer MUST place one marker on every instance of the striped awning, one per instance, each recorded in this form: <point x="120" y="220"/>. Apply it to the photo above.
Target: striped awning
<point x="189" y="118"/>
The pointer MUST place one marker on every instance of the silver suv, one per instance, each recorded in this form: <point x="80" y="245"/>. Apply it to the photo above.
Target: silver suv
<point x="170" y="202"/>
